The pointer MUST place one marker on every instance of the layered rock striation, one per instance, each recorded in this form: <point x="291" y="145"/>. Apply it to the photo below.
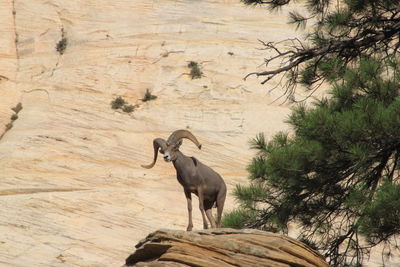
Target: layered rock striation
<point x="222" y="247"/>
<point x="72" y="192"/>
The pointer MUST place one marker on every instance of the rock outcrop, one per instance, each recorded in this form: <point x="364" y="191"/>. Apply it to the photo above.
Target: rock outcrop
<point x="222" y="247"/>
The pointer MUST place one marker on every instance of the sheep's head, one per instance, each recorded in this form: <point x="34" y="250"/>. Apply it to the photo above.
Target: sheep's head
<point x="171" y="146"/>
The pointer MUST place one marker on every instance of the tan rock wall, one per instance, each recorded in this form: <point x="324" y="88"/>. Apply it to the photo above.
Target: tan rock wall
<point x="72" y="192"/>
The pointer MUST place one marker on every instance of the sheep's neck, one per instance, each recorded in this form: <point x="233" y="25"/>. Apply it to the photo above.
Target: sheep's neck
<point x="180" y="162"/>
<point x="184" y="169"/>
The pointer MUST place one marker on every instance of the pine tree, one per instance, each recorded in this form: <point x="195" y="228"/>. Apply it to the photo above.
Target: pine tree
<point x="336" y="175"/>
<point x="344" y="32"/>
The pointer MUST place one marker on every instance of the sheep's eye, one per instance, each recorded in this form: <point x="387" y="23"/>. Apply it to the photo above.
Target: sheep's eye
<point x="161" y="151"/>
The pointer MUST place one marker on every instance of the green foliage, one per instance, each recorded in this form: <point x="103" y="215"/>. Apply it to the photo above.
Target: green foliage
<point x="308" y="75"/>
<point x="117" y="103"/>
<point x="120" y="103"/>
<point x="195" y="71"/>
<point x="193" y="64"/>
<point x="62" y="45"/>
<point x="148" y="96"/>
<point x="338" y="20"/>
<point x="338" y="175"/>
<point x="252" y="2"/>
<point x="298" y="19"/>
<point x="128" y="108"/>
<point x="308" y="242"/>
<point x="237" y="219"/>
<point x="273" y="4"/>
<point x="341" y="34"/>
<point x="249" y="195"/>
<point x="332" y="69"/>
<point x="259" y="142"/>
<point x="14" y="117"/>
<point x="381" y="217"/>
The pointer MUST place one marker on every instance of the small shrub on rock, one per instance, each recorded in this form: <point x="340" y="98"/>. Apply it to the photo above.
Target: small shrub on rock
<point x="120" y="103"/>
<point x="117" y="103"/>
<point x="62" y="45"/>
<point x="14" y="117"/>
<point x="128" y="108"/>
<point x="195" y="71"/>
<point x="148" y="96"/>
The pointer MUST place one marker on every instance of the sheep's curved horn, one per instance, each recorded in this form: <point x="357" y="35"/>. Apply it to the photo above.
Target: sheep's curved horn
<point x="179" y="134"/>
<point x="157" y="143"/>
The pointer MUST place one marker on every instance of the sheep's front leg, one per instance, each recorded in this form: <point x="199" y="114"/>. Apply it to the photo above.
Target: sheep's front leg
<point x="189" y="206"/>
<point x="201" y="206"/>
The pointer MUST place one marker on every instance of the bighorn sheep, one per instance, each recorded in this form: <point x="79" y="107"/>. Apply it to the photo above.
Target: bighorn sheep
<point x="194" y="176"/>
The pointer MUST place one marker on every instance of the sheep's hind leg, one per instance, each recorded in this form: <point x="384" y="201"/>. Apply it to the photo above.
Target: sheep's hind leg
<point x="220" y="206"/>
<point x="208" y="208"/>
<point x="201" y="206"/>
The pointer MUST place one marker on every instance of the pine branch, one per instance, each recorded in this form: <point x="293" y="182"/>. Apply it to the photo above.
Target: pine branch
<point x="344" y="48"/>
<point x="273" y="3"/>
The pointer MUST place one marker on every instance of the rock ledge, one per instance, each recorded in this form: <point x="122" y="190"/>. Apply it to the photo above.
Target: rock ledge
<point x="222" y="247"/>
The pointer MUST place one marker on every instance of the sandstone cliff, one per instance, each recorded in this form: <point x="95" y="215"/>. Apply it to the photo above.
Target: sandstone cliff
<point x="222" y="247"/>
<point x="72" y="192"/>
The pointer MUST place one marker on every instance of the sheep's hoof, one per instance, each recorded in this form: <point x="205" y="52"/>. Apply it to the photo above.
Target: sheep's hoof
<point x="189" y="229"/>
<point x="205" y="226"/>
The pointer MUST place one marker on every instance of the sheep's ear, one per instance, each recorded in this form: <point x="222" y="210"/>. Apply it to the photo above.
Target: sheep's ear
<point x="178" y="144"/>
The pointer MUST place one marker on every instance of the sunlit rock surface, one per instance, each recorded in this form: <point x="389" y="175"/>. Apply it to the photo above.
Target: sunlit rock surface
<point x="222" y="247"/>
<point x="72" y="192"/>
